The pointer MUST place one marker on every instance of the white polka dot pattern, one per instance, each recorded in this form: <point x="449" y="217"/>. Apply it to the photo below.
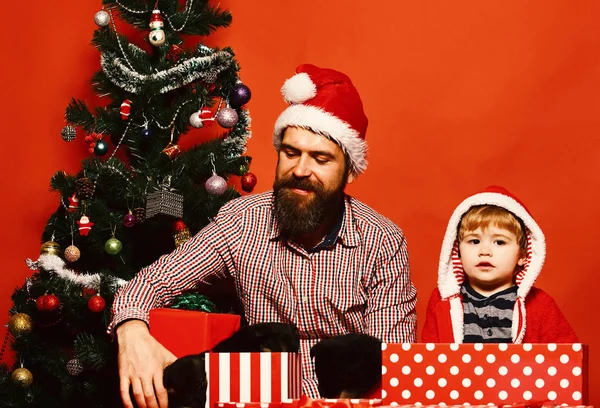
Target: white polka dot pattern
<point x="483" y="374"/>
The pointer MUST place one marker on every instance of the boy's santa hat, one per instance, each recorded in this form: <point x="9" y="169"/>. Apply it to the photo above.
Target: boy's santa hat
<point x="450" y="271"/>
<point x="325" y="102"/>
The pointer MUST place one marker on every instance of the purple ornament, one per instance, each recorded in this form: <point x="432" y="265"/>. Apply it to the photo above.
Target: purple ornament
<point x="240" y="95"/>
<point x="129" y="220"/>
<point x="216" y="185"/>
<point x="227" y="118"/>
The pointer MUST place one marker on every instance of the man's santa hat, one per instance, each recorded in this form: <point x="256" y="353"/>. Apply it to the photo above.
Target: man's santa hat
<point x="451" y="274"/>
<point x="325" y="102"/>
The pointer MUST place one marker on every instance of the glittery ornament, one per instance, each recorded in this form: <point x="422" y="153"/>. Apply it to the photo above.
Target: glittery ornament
<point x="50" y="248"/>
<point x="157" y="35"/>
<point x="74" y="367"/>
<point x="139" y="214"/>
<point x="174" y="53"/>
<point x="68" y="133"/>
<point x="96" y="303"/>
<point x="73" y="203"/>
<point x="164" y="202"/>
<point x="125" y="109"/>
<point x="101" y="18"/>
<point x="72" y="253"/>
<point x="113" y="246"/>
<point x="227" y="118"/>
<point x="240" y="95"/>
<point x="248" y="182"/>
<point x="20" y="324"/>
<point x="85" y="225"/>
<point x="47" y="303"/>
<point x="22" y="377"/>
<point x="129" y="219"/>
<point x="195" y="120"/>
<point x="101" y="148"/>
<point x="172" y="151"/>
<point x="216" y="185"/>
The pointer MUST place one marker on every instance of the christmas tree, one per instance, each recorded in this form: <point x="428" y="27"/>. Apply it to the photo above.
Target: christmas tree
<point x="136" y="197"/>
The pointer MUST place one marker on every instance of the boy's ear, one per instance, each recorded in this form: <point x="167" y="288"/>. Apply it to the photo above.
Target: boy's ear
<point x="522" y="260"/>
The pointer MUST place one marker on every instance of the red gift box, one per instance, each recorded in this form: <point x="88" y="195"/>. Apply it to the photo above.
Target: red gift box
<point x="185" y="332"/>
<point x="252" y="377"/>
<point x="501" y="374"/>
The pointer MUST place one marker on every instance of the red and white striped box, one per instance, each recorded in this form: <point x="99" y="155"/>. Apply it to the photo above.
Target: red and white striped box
<point x="252" y="377"/>
<point x="501" y="374"/>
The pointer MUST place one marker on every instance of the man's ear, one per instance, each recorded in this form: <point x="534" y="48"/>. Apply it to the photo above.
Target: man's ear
<point x="350" y="177"/>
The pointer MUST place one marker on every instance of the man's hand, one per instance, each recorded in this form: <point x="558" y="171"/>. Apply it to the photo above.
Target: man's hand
<point x="142" y="361"/>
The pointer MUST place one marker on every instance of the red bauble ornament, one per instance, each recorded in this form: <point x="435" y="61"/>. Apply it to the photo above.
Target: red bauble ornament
<point x="174" y="53"/>
<point x="96" y="303"/>
<point x="88" y="291"/>
<point x="179" y="226"/>
<point x="248" y="182"/>
<point x="125" y="109"/>
<point x="47" y="303"/>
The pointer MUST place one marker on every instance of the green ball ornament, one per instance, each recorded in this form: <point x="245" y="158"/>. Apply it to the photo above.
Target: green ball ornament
<point x="101" y="148"/>
<point x="113" y="246"/>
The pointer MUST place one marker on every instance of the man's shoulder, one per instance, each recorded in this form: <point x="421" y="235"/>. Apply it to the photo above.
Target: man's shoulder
<point x="247" y="204"/>
<point x="367" y="219"/>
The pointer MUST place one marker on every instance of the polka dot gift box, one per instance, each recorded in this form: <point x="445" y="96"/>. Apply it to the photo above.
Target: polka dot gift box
<point x="481" y="374"/>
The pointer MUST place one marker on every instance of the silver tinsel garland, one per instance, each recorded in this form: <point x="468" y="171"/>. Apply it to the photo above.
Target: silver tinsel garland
<point x="205" y="67"/>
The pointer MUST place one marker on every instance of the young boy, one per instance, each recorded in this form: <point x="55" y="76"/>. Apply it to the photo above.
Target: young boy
<point x="492" y="254"/>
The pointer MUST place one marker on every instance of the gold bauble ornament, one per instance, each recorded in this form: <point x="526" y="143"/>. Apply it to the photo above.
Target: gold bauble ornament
<point x="50" y="248"/>
<point x="72" y="253"/>
<point x="20" y="324"/>
<point x="22" y="376"/>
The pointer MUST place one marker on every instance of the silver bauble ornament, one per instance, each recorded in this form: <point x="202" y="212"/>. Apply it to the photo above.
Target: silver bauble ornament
<point x="68" y="133"/>
<point x="101" y="18"/>
<point x="216" y="185"/>
<point x="196" y="120"/>
<point x="74" y="367"/>
<point x="227" y="117"/>
<point x="72" y="253"/>
<point x="113" y="246"/>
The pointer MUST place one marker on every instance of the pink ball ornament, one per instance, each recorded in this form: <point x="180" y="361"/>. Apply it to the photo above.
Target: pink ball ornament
<point x="216" y="185"/>
<point x="227" y="118"/>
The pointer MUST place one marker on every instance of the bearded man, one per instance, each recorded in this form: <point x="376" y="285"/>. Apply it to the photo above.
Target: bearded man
<point x="305" y="253"/>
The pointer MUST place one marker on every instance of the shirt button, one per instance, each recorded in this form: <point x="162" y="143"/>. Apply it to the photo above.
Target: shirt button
<point x="305" y="298"/>
<point x="489" y="332"/>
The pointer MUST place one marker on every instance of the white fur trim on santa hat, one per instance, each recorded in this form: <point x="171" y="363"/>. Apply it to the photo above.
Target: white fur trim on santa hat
<point x="299" y="88"/>
<point x="320" y="121"/>
<point x="457" y="317"/>
<point x="447" y="283"/>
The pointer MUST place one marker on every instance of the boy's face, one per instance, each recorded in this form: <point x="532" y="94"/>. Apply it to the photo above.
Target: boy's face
<point x="489" y="258"/>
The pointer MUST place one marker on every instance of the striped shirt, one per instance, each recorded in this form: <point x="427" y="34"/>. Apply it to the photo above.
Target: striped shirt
<point x="488" y="319"/>
<point x="359" y="283"/>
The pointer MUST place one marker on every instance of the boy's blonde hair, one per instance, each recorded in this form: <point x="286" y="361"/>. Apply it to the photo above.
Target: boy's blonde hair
<point x="482" y="216"/>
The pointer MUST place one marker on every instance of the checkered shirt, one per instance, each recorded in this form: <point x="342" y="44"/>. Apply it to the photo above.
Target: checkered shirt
<point x="361" y="283"/>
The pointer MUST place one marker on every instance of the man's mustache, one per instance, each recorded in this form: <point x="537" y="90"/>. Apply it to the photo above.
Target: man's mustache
<point x="301" y="184"/>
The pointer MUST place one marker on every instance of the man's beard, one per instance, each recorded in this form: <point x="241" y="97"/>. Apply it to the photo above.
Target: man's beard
<point x="298" y="214"/>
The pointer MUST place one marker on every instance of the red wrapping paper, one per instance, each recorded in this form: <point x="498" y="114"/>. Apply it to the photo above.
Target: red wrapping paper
<point x="185" y="332"/>
<point x="479" y="374"/>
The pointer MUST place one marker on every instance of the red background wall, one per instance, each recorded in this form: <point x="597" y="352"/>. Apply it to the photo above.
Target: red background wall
<point x="459" y="95"/>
